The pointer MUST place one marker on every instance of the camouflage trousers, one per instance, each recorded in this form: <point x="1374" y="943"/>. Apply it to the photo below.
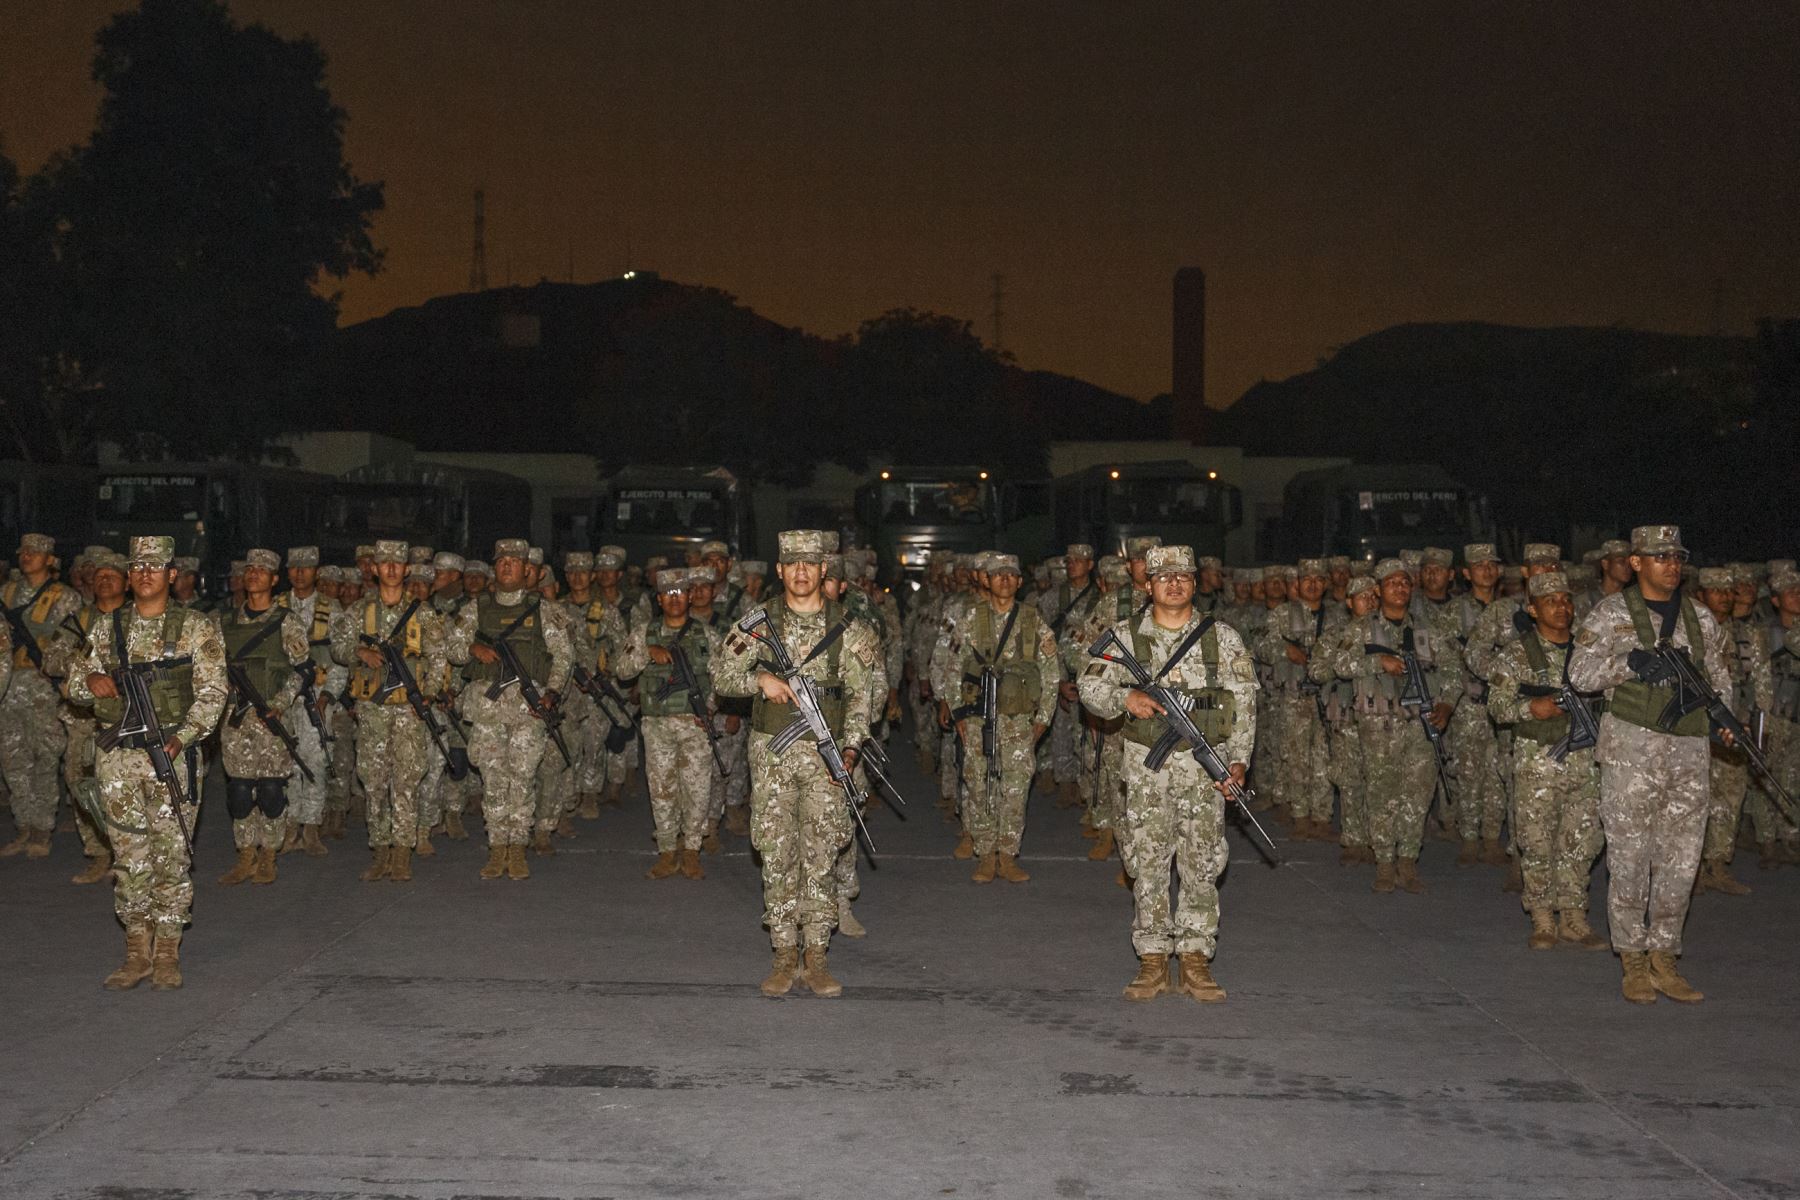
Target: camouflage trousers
<point x="1556" y="824"/>
<point x="434" y="788"/>
<point x="1265" y="758"/>
<point x="1474" y="770"/>
<point x="553" y="795"/>
<point x="1653" y="801"/>
<point x="31" y="746"/>
<point x="1174" y="826"/>
<point x="996" y="821"/>
<point x="587" y="739"/>
<point x="946" y="758"/>
<point x="1303" y="779"/>
<point x="927" y="737"/>
<point x="306" y="801"/>
<point x="799" y="825"/>
<point x="1400" y="769"/>
<point x="1064" y="742"/>
<point x="1783" y="755"/>
<point x="391" y="748"/>
<point x="258" y="831"/>
<point x="340" y="779"/>
<point x="150" y="857"/>
<point x="733" y="787"/>
<point x="506" y="743"/>
<point x="1353" y="791"/>
<point x="1728" y="780"/>
<point x="679" y="768"/>
<point x="1102" y="778"/>
<point x="78" y="776"/>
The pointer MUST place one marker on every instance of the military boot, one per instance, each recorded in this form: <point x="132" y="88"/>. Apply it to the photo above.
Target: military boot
<point x="817" y="977"/>
<point x="334" y="825"/>
<point x="710" y="843"/>
<point x="1515" y="879"/>
<point x="1103" y="846"/>
<point x="690" y="864"/>
<point x="265" y="866"/>
<point x="965" y="847"/>
<point x="37" y="844"/>
<point x="1197" y="980"/>
<point x="848" y="925"/>
<point x="782" y="972"/>
<point x="1722" y="879"/>
<point x="400" y="864"/>
<point x="613" y="797"/>
<point x="453" y="826"/>
<point x="984" y="870"/>
<point x="1282" y="814"/>
<point x="290" y="841"/>
<point x="423" y="847"/>
<point x="495" y="866"/>
<point x="1574" y="930"/>
<point x="1543" y="929"/>
<point x="1667" y="980"/>
<point x="1493" y="853"/>
<point x="1767" y="855"/>
<point x="664" y="866"/>
<point x="1702" y="878"/>
<point x="1636" y="986"/>
<point x="515" y="863"/>
<point x="98" y="868"/>
<point x="540" y="843"/>
<point x="378" y="866"/>
<point x="1384" y="877"/>
<point x="565" y="827"/>
<point x="1068" y="794"/>
<point x="241" y="870"/>
<point x="136" y="968"/>
<point x="17" y="845"/>
<point x="1470" y="854"/>
<point x="1044" y="782"/>
<point x="1006" y="866"/>
<point x="310" y="843"/>
<point x="589" y="808"/>
<point x="165" y="964"/>
<point x="1152" y="978"/>
<point x="1406" y="875"/>
<point x="1349" y="856"/>
<point x="737" y="820"/>
<point x="1123" y="879"/>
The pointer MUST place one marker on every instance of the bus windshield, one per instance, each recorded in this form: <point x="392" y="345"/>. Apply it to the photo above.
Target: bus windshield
<point x="384" y="511"/>
<point x="1162" y="501"/>
<point x="951" y="502"/>
<point x="151" y="498"/>
<point x="685" y="511"/>
<point x="1403" y="513"/>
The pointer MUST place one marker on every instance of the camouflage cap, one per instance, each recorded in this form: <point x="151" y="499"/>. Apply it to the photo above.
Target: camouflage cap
<point x="1273" y="571"/>
<point x="268" y="560"/>
<point x="1783" y="581"/>
<point x="1592" y="556"/>
<point x="1360" y="583"/>
<point x="364" y="552"/>
<point x="424" y="571"/>
<point x="329" y="574"/>
<point x="1338" y="562"/>
<point x="1656" y="539"/>
<point x="236" y="570"/>
<point x="1742" y="573"/>
<point x="1413" y="559"/>
<point x="752" y="566"/>
<point x="37" y="543"/>
<point x="606" y="560"/>
<point x="1169" y="560"/>
<point x="617" y="552"/>
<point x="1114" y="570"/>
<point x="714" y="547"/>
<point x="303" y="556"/>
<point x="517" y="548"/>
<point x="1079" y="550"/>
<point x="1538" y="553"/>
<point x="1362" y="567"/>
<point x="108" y="560"/>
<point x="156" y="550"/>
<point x="1003" y="564"/>
<point x="1210" y="562"/>
<point x="186" y="564"/>
<point x="1582" y="573"/>
<point x="1390" y="566"/>
<point x="389" y="551"/>
<point x="1545" y="582"/>
<point x="1437" y="556"/>
<point x="93" y="552"/>
<point x="1615" y="548"/>
<point x="444" y="560"/>
<point x="834" y="566"/>
<point x="534" y="555"/>
<point x="578" y="560"/>
<point x="804" y="545"/>
<point x="419" y="554"/>
<point x="656" y="562"/>
<point x="1716" y="577"/>
<point x="474" y="566"/>
<point x="1780" y="566"/>
<point x="1138" y="547"/>
<point x="1480" y="552"/>
<point x="1312" y="568"/>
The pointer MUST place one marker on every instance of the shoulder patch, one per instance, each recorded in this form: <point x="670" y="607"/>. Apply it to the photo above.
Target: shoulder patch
<point x="1243" y="669"/>
<point x="1587" y="637"/>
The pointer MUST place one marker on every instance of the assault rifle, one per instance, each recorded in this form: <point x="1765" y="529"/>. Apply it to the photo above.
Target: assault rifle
<point x="809" y="719"/>
<point x="400" y="679"/>
<point x="249" y="700"/>
<point x="1180" y="731"/>
<point x="22" y="637"/>
<point x="611" y="702"/>
<point x="1416" y="695"/>
<point x="875" y="762"/>
<point x="986" y="705"/>
<point x="139" y="729"/>
<point x="309" y="696"/>
<point x="683" y="679"/>
<point x="1584" y="729"/>
<point x="1693" y="692"/>
<point x="511" y="672"/>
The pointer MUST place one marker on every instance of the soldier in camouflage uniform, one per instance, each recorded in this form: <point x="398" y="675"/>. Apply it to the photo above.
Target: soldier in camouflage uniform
<point x="107" y="574"/>
<point x="633" y="603"/>
<point x="441" y="796"/>
<point x="267" y="643"/>
<point x="799" y="818"/>
<point x="1653" y="781"/>
<point x="1283" y="649"/>
<point x="678" y="760"/>
<point x="1063" y="607"/>
<point x="152" y="895"/>
<point x="1398" y="759"/>
<point x="1175" y="816"/>
<point x="554" y="799"/>
<point x="601" y="632"/>
<point x="341" y="786"/>
<point x="326" y="678"/>
<point x="1774" y="835"/>
<point x="1474" y="749"/>
<point x="31" y="730"/>
<point x="1361" y="597"/>
<point x="1556" y="816"/>
<point x="1753" y="691"/>
<point x="704" y="609"/>
<point x="1102" y="783"/>
<point x="391" y="741"/>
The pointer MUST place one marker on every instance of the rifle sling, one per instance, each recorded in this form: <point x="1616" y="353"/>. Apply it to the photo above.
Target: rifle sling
<point x="1063" y="616"/>
<point x="1187" y="643"/>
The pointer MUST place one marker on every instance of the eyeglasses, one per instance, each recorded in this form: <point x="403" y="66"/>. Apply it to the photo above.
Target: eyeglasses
<point x="1668" y="557"/>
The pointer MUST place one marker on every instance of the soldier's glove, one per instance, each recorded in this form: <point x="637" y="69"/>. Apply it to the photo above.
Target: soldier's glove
<point x="1648" y="667"/>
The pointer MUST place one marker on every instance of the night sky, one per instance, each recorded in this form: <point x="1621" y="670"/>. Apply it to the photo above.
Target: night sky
<point x="1336" y="168"/>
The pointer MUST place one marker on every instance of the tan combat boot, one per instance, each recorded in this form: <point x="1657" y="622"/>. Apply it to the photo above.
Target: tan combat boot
<point x="965" y="847"/>
<point x="515" y="863"/>
<point x="565" y="827"/>
<point x="1636" y="986"/>
<point x="290" y="841"/>
<point x="423" y="847"/>
<point x="1068" y="795"/>
<point x="710" y="843"/>
<point x="1044" y="782"/>
<point x="17" y="845"/>
<point x="540" y="843"/>
<point x="1543" y="930"/>
<point x="37" y="844"/>
<point x="664" y="866"/>
<point x="1493" y="853"/>
<point x="136" y="967"/>
<point x="1667" y="980"/>
<point x="1197" y="980"/>
<point x="614" y="797"/>
<point x="1515" y="878"/>
<point x="1470" y="854"/>
<point x="453" y="827"/>
<point x="1384" y="877"/>
<point x="495" y="866"/>
<point x="1767" y="857"/>
<point x="1723" y="881"/>
<point x="98" y="868"/>
<point x="1006" y="866"/>
<point x="1702" y="878"/>
<point x="265" y="865"/>
<point x="984" y="870"/>
<point x="588" y="807"/>
<point x="334" y="826"/>
<point x="737" y="820"/>
<point x="1349" y="856"/>
<point x="165" y="964"/>
<point x="378" y="866"/>
<point x="1152" y="978"/>
<point x="847" y="923"/>
<point x="1123" y="879"/>
<point x="1103" y="846"/>
<point x="310" y="843"/>
<point x="1406" y="875"/>
<point x="782" y="972"/>
<point x="400" y="864"/>
<point x="690" y="864"/>
<point x="816" y="977"/>
<point x="241" y="870"/>
<point x="1088" y="832"/>
<point x="1574" y="930"/>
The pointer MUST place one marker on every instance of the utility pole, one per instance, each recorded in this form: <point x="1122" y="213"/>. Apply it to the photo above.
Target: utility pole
<point x="478" y="256"/>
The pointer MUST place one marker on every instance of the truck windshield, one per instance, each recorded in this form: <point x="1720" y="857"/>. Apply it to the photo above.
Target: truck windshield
<point x="692" y="511"/>
<point x="952" y="502"/>
<point x="1167" y="501"/>
<point x="1403" y="513"/>
<point x="151" y="498"/>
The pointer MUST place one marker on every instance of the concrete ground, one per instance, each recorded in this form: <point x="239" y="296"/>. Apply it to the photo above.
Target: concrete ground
<point x="589" y="1033"/>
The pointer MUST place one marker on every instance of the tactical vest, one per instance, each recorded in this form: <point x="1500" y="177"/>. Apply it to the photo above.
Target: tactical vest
<point x="1786" y="669"/>
<point x="1551" y="731"/>
<point x="266" y="665"/>
<point x="656" y="676"/>
<point x="766" y="716"/>
<point x="318" y="637"/>
<point x="527" y="641"/>
<point x="171" y="686"/>
<point x="1637" y="702"/>
<point x="1741" y="639"/>
<point x="35" y="615"/>
<point x="1303" y="627"/>
<point x="1215" y="708"/>
<point x="1379" y="694"/>
<point x="1021" y="677"/>
<point x="366" y="681"/>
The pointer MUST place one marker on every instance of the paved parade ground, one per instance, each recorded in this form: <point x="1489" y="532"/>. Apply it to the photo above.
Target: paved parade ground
<point x="589" y="1033"/>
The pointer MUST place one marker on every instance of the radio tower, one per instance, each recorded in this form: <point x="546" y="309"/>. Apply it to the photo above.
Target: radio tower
<point x="478" y="256"/>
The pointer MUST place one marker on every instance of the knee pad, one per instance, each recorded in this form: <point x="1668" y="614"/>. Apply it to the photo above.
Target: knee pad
<point x="271" y="796"/>
<point x="240" y="797"/>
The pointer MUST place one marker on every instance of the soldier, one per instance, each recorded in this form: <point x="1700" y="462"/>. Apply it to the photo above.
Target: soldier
<point x="601" y="634"/>
<point x="1174" y="817"/>
<point x="1398" y="758"/>
<point x="1212" y="594"/>
<point x="324" y="680"/>
<point x="186" y="591"/>
<point x="1782" y="635"/>
<point x="1283" y="648"/>
<point x="108" y="575"/>
<point x="31" y="729"/>
<point x="1653" y="790"/>
<point x="1103" y="767"/>
<point x="678" y="759"/>
<point x="1614" y="568"/>
<point x="1064" y="607"/>
<point x="703" y="610"/>
<point x="391" y="739"/>
<point x="1474" y="752"/>
<point x="1338" y="568"/>
<point x="477" y="575"/>
<point x="1556" y="818"/>
<point x="447" y="592"/>
<point x="1345" y="737"/>
<point x="1753" y="691"/>
<point x="507" y="736"/>
<point x="799" y="818"/>
<point x="184" y="655"/>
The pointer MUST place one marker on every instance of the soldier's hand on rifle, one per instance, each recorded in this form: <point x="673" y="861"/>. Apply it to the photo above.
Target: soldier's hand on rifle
<point x="943" y="715"/>
<point x="661" y="656"/>
<point x="1141" y="706"/>
<point x="1440" y="715"/>
<point x="733" y="723"/>
<point x="849" y="758"/>
<point x="1068" y="691"/>
<point x="892" y="711"/>
<point x="483" y="654"/>
<point x="1296" y="655"/>
<point x="102" y="686"/>
<point x="1390" y="664"/>
<point x="173" y="748"/>
<point x="1728" y="738"/>
<point x="1238" y="774"/>
<point x="1544" y="707"/>
<point x="774" y="688"/>
<point x="371" y="657"/>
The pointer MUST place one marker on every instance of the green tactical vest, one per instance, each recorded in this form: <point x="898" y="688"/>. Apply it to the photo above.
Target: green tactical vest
<point x="1638" y="703"/>
<point x="267" y="663"/>
<point x="1215" y="708"/>
<point x="768" y="717"/>
<point x="34" y="614"/>
<point x="1020" y="675"/>
<point x="656" y="675"/>
<point x="1786" y="669"/>
<point x="527" y="641"/>
<point x="1553" y="730"/>
<point x="171" y="687"/>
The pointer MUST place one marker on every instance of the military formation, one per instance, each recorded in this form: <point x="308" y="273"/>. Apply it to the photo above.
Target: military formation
<point x="1534" y="715"/>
